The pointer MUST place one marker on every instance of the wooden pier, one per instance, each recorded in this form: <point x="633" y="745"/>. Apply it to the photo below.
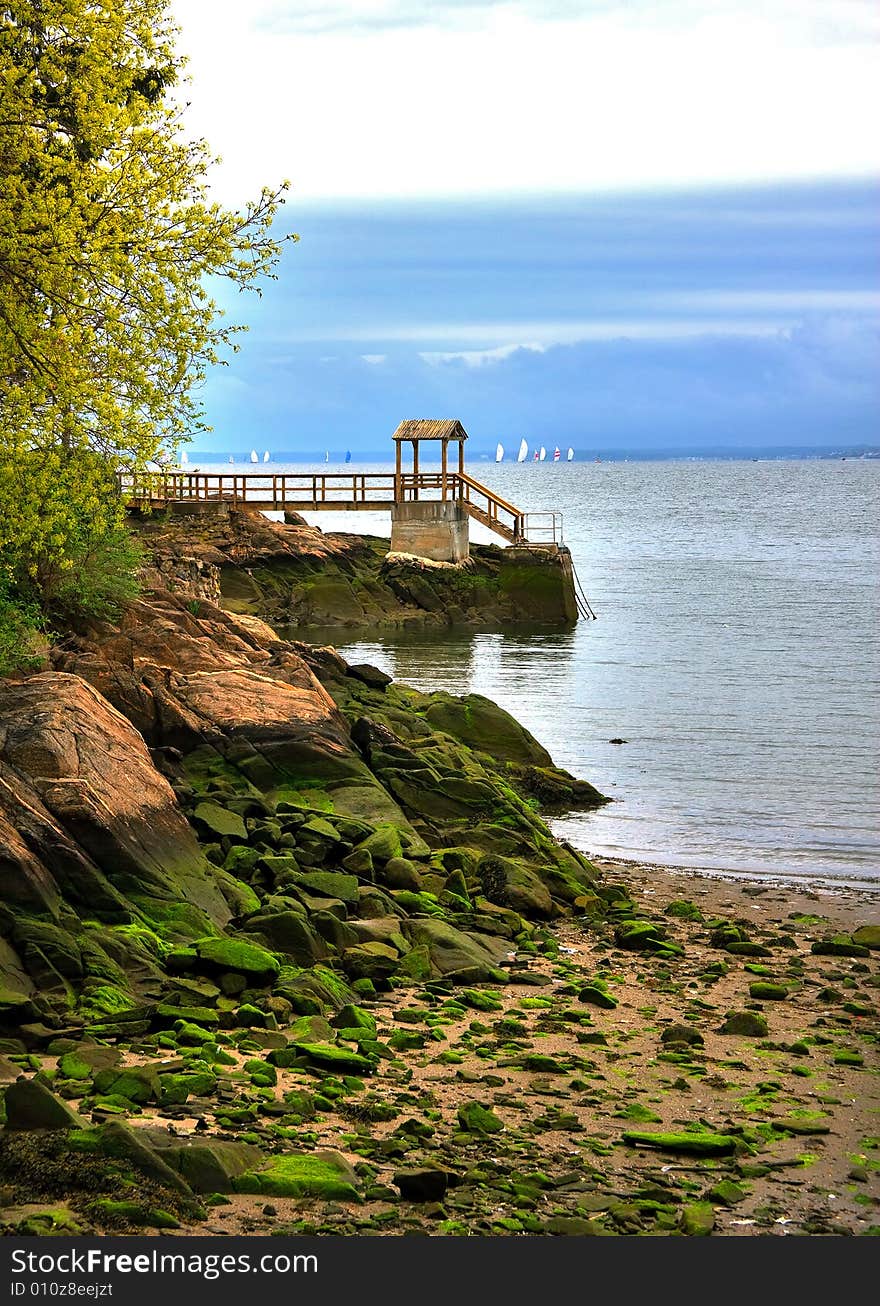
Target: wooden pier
<point x="328" y="491"/>
<point x="457" y="495"/>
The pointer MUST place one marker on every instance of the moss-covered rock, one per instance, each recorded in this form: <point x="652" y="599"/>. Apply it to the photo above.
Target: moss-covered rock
<point x="325" y="1175"/>
<point x="475" y="958"/>
<point x="476" y="1118"/>
<point x="30" y="1105"/>
<point x="330" y="1057"/>
<point x="483" y="725"/>
<point x="747" y="1024"/>
<point x="220" y="821"/>
<point x="684" y="1144"/>
<point x="698" y="1219"/>
<point x="221" y="954"/>
<point x="131" y="1212"/>
<point x="135" y="1083"/>
<point x="766" y="991"/>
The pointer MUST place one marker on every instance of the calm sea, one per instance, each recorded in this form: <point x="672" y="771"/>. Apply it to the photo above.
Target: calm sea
<point x="735" y="651"/>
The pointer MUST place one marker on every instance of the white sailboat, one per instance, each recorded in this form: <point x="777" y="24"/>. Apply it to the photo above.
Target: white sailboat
<point x="231" y="459"/>
<point x="266" y="456"/>
<point x="326" y="455"/>
<point x="542" y="455"/>
<point x="184" y="457"/>
<point x="499" y="453"/>
<point x="254" y="456"/>
<point x="523" y="452"/>
<point x="556" y="454"/>
<point x="569" y="456"/>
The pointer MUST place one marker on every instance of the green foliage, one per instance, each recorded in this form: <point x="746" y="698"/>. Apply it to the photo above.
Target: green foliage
<point x="107" y="234"/>
<point x="108" y="239"/>
<point x="20" y="628"/>
<point x="63" y="541"/>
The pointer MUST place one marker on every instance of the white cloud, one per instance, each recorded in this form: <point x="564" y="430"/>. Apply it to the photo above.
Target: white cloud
<point x="403" y="99"/>
<point x="374" y="359"/>
<point x="476" y="357"/>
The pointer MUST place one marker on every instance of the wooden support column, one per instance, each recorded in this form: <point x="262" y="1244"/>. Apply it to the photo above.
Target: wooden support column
<point x="461" y="457"/>
<point x="445" y="447"/>
<point x="398" y="493"/>
<point x="415" y="445"/>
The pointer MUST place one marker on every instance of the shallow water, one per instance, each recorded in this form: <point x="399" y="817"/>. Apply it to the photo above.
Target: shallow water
<point x="736" y="651"/>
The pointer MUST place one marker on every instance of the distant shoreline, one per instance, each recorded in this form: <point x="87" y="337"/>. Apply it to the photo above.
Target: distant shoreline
<point x="858" y="453"/>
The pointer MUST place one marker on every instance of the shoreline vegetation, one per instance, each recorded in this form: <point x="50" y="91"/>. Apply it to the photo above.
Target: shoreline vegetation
<point x="289" y="947"/>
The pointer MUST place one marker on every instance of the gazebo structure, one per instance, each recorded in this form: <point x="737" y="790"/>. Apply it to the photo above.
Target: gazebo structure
<point x="414" y="431"/>
<point x="432" y="528"/>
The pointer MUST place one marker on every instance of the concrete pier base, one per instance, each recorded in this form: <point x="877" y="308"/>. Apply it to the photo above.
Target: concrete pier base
<point x="436" y="529"/>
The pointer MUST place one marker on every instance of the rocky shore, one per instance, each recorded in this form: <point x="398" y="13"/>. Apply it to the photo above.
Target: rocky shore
<point x="286" y="946"/>
<point x="297" y="575"/>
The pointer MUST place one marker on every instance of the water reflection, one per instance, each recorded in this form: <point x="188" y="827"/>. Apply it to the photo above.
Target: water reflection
<point x="736" y="651"/>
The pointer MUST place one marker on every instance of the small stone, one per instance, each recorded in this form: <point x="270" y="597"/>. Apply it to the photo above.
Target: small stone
<point x="219" y="820"/>
<point x="425" y="1185"/>
<point x="682" y="1034"/>
<point x="698" y="1219"/>
<point x="764" y="991"/>
<point x="478" y="1119"/>
<point x="747" y="1024"/>
<point x="726" y="1193"/>
<point x="597" y="997"/>
<point x="867" y="936"/>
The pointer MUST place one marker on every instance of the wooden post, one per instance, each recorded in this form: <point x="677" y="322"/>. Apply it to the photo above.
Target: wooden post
<point x="415" y="445"/>
<point x="398" y="493"/>
<point x="461" y="457"/>
<point x="443" y="455"/>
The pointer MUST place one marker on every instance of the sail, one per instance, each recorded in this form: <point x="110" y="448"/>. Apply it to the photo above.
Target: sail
<point x="569" y="456"/>
<point x="537" y="455"/>
<point x="499" y="453"/>
<point x="266" y="456"/>
<point x="348" y="455"/>
<point x="543" y="454"/>
<point x="523" y="452"/>
<point x="556" y="454"/>
<point x="231" y="459"/>
<point x="254" y="457"/>
<point x="326" y="455"/>
<point x="184" y="457"/>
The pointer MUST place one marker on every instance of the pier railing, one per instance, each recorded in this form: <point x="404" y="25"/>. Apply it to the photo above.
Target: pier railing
<point x="328" y="491"/>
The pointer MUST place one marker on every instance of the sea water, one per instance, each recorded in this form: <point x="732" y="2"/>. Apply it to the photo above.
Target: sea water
<point x="735" y="651"/>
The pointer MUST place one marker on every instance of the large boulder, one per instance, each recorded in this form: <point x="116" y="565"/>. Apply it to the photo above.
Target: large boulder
<point x="483" y="725"/>
<point x="85" y="767"/>
<point x="452" y="950"/>
<point x="30" y="1105"/>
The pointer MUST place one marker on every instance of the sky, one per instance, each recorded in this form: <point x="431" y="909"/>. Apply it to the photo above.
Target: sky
<point x="621" y="225"/>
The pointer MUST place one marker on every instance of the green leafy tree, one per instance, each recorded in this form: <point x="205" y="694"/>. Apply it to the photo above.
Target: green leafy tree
<point x="108" y="241"/>
<point x="107" y="232"/>
<point x="65" y="547"/>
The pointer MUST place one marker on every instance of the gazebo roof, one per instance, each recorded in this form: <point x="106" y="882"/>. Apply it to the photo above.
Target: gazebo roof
<point x="427" y="428"/>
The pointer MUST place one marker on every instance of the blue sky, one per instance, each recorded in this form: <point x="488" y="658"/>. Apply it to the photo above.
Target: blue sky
<point x="624" y="226"/>
<point x="742" y="318"/>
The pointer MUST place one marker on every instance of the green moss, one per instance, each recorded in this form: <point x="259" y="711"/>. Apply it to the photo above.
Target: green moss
<point x="478" y="1119"/>
<point x="696" y="1144"/>
<point x="106" y="1208"/>
<point x="302" y="1175"/>
<point x="233" y="955"/>
<point x="764" y="991"/>
<point x="635" y="1111"/>
<point x="698" y="1219"/>
<point x="335" y="1058"/>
